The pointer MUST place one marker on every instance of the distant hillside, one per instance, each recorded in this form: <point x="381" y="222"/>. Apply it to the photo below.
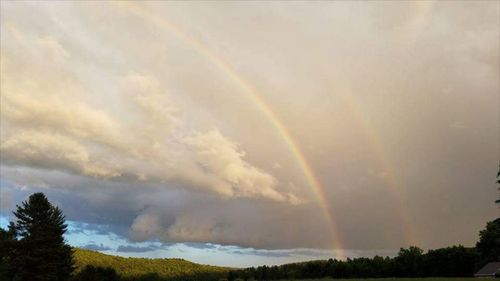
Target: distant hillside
<point x="134" y="267"/>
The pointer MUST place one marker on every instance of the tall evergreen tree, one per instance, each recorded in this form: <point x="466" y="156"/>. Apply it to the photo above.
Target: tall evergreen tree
<point x="40" y="253"/>
<point x="7" y="246"/>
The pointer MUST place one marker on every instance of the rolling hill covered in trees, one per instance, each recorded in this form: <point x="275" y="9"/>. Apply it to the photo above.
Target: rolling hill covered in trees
<point x="147" y="269"/>
<point x="456" y="261"/>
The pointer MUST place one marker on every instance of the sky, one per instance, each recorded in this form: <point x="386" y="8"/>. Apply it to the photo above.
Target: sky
<point x="249" y="133"/>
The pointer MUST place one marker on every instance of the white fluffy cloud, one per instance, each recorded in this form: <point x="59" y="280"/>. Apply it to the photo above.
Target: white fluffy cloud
<point x="217" y="156"/>
<point x="141" y="136"/>
<point x="52" y="151"/>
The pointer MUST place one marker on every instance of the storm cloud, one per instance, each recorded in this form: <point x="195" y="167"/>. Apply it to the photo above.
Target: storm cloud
<point x="139" y="118"/>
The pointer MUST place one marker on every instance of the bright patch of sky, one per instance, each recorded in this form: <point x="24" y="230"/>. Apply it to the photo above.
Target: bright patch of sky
<point x="4" y="222"/>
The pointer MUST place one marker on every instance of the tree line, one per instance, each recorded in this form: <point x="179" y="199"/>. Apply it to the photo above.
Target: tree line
<point x="456" y="261"/>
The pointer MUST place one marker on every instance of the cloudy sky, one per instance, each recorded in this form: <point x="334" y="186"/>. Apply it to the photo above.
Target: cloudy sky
<point x="247" y="133"/>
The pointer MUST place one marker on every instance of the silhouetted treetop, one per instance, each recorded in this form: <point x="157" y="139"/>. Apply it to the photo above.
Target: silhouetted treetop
<point x="40" y="253"/>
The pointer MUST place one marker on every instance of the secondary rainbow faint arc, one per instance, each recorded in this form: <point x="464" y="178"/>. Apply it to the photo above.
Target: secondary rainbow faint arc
<point x="314" y="183"/>
<point x="409" y="36"/>
<point x="393" y="182"/>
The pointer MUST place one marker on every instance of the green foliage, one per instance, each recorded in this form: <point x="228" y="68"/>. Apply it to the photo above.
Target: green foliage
<point x="456" y="261"/>
<point x="38" y="251"/>
<point x="409" y="262"/>
<point x="7" y="243"/>
<point x="94" y="273"/>
<point x="488" y="246"/>
<point x="450" y="262"/>
<point x="498" y="176"/>
<point x="147" y="269"/>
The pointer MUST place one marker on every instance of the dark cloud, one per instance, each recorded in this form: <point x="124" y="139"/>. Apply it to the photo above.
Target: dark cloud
<point x="262" y="253"/>
<point x="137" y="249"/>
<point x="201" y="245"/>
<point x="95" y="247"/>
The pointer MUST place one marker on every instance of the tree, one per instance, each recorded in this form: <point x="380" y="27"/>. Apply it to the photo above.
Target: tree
<point x="455" y="261"/>
<point x="40" y="252"/>
<point x="96" y="273"/>
<point x="498" y="175"/>
<point x="488" y="246"/>
<point x="7" y="243"/>
<point x="498" y="181"/>
<point x="409" y="262"/>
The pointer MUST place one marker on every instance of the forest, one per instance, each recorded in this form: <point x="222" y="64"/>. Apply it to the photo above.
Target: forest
<point x="456" y="261"/>
<point x="92" y="265"/>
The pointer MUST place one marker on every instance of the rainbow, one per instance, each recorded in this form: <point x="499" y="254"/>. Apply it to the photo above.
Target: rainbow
<point x="408" y="37"/>
<point x="294" y="148"/>
<point x="393" y="183"/>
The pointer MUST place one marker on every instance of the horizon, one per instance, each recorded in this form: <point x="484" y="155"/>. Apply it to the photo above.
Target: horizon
<point x="249" y="133"/>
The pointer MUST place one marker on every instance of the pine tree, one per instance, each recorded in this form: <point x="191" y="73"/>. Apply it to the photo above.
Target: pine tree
<point x="7" y="246"/>
<point x="41" y="253"/>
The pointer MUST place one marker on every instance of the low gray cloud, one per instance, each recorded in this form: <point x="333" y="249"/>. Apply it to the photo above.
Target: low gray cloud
<point x="95" y="247"/>
<point x="201" y="245"/>
<point x="262" y="253"/>
<point x="136" y="249"/>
